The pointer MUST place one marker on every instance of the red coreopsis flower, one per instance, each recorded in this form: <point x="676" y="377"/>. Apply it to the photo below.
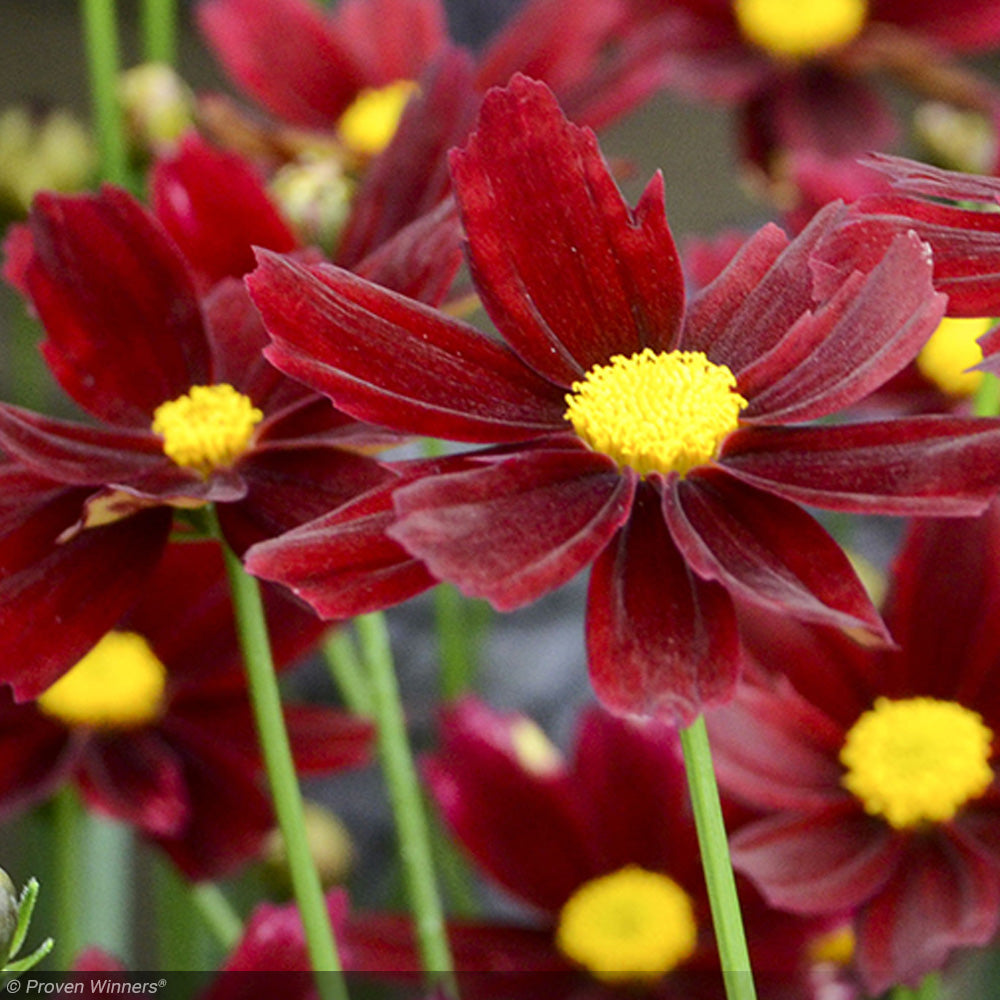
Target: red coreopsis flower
<point x="188" y="412"/>
<point x="661" y="442"/>
<point x="155" y="727"/>
<point x="876" y="770"/>
<point x="802" y="74"/>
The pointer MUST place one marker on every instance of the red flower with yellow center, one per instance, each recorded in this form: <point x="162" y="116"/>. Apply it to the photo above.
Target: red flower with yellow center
<point x="186" y="412"/>
<point x="155" y="727"/>
<point x="875" y="771"/>
<point x="664" y="443"/>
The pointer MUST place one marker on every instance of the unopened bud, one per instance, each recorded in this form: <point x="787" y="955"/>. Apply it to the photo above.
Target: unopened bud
<point x="315" y="197"/>
<point x="329" y="844"/>
<point x="9" y="910"/>
<point x="42" y="151"/>
<point x="955" y="139"/>
<point x="158" y="106"/>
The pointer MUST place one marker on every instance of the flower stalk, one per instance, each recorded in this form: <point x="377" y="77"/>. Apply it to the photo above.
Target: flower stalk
<point x="101" y="39"/>
<point x="265" y="696"/>
<point x="717" y="864"/>
<point x="407" y="803"/>
<point x="159" y="31"/>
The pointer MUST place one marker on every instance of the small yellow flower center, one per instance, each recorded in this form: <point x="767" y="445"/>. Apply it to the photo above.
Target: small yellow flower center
<point x="664" y="412"/>
<point x="836" y="947"/>
<point x="207" y="428"/>
<point x="119" y="684"/>
<point x="633" y="925"/>
<point x="369" y="124"/>
<point x="952" y="349"/>
<point x="800" y="29"/>
<point x="917" y="760"/>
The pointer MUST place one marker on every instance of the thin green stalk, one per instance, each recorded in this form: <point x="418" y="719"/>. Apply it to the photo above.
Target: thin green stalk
<point x="987" y="399"/>
<point x="159" y="31"/>
<point x="69" y="874"/>
<point x="101" y="40"/>
<point x="719" y="877"/>
<point x="403" y="787"/>
<point x="454" y="641"/>
<point x="345" y="668"/>
<point x="217" y="913"/>
<point x="265" y="697"/>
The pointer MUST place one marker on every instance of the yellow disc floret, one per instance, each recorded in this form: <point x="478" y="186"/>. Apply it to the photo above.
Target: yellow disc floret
<point x="119" y="684"/>
<point x="369" y="124"/>
<point x="950" y="351"/>
<point x="632" y="925"/>
<point x="917" y="760"/>
<point x="665" y="412"/>
<point x="207" y="428"/>
<point x="800" y="29"/>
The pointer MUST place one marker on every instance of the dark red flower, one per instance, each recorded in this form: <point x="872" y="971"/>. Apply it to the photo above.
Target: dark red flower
<point x="908" y="839"/>
<point x="584" y="289"/>
<point x="133" y="344"/>
<point x="802" y="76"/>
<point x="155" y="727"/>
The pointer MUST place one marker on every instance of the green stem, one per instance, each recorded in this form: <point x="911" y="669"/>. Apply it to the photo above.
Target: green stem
<point x="454" y="641"/>
<point x="159" y="31"/>
<point x="251" y="626"/>
<point x="407" y="803"/>
<point x="101" y="39"/>
<point x="68" y="876"/>
<point x="218" y="914"/>
<point x="987" y="399"/>
<point x="719" y="877"/>
<point x="345" y="668"/>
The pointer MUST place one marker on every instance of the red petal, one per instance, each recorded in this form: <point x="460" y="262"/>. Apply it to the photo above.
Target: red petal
<point x="870" y="329"/>
<point x="924" y="466"/>
<point x="661" y="642"/>
<point x="84" y="585"/>
<point x="514" y="530"/>
<point x="393" y="361"/>
<point x="826" y="862"/>
<point x="324" y="739"/>
<point x="118" y="303"/>
<point x="344" y="564"/>
<point x="766" y="550"/>
<point x="570" y="275"/>
<point x="941" y="897"/>
<point x="136" y="777"/>
<point x="486" y="795"/>
<point x="286" y="55"/>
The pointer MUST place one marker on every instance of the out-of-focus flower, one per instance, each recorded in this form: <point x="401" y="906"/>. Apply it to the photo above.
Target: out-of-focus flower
<point x="154" y="724"/>
<point x="600" y="848"/>
<point x="48" y="151"/>
<point x="189" y="413"/>
<point x="875" y="769"/>
<point x="801" y="73"/>
<point x="158" y="106"/>
<point x="680" y="505"/>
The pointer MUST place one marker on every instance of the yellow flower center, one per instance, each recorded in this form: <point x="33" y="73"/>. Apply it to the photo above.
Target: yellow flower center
<point x="119" y="684"/>
<point x="207" y="428"/>
<point x="917" y="760"/>
<point x="799" y="29"/>
<point x="369" y="124"/>
<point x="836" y="947"/>
<point x="633" y="925"/>
<point x="951" y="349"/>
<point x="664" y="412"/>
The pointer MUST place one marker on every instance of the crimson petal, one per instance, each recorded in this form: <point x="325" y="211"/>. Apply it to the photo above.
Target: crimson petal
<point x="919" y="466"/>
<point x="826" y="862"/>
<point x="118" y="304"/>
<point x="393" y="361"/>
<point x="944" y="896"/>
<point x="567" y="272"/>
<point x="766" y="550"/>
<point x="517" y="529"/>
<point x="661" y="642"/>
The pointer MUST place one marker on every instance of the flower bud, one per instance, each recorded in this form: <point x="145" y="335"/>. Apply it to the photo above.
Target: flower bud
<point x="315" y="196"/>
<point x="329" y="844"/>
<point x="955" y="139"/>
<point x="158" y="106"/>
<point x="9" y="910"/>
